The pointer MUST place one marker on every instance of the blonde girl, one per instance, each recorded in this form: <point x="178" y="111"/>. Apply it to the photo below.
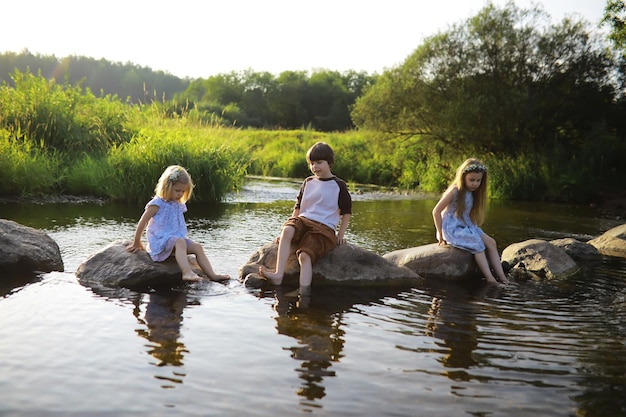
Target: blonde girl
<point x="164" y="222"/>
<point x="459" y="214"/>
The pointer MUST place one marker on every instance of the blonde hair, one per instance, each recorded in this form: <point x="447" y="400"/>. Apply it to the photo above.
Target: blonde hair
<point x="477" y="213"/>
<point x="174" y="174"/>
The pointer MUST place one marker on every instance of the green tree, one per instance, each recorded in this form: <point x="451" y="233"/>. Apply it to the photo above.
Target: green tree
<point x="502" y="81"/>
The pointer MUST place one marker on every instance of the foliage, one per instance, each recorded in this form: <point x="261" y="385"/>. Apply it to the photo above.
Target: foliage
<point x="61" y="118"/>
<point x="25" y="168"/>
<point x="542" y="101"/>
<point x="290" y="101"/>
<point x="136" y="166"/>
<point x="500" y="82"/>
<point x="615" y="18"/>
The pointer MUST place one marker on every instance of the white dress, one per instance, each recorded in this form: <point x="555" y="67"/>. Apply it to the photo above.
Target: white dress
<point x="165" y="228"/>
<point x="462" y="233"/>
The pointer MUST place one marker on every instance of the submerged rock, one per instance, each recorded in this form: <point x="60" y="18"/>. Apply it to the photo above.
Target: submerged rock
<point x="25" y="250"/>
<point x="345" y="265"/>
<point x="115" y="267"/>
<point x="612" y="242"/>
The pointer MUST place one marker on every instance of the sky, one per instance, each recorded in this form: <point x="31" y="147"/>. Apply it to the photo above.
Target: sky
<point x="201" y="38"/>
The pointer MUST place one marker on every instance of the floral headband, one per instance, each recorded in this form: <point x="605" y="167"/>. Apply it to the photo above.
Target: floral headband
<point x="474" y="168"/>
<point x="175" y="175"/>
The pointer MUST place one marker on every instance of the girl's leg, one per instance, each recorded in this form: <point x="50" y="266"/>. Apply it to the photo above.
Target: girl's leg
<point x="180" y="253"/>
<point x="284" y="245"/>
<point x="494" y="258"/>
<point x="483" y="265"/>
<point x="205" y="264"/>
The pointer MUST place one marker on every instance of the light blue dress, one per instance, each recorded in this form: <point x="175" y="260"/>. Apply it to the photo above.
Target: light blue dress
<point x="165" y="228"/>
<point x="462" y="233"/>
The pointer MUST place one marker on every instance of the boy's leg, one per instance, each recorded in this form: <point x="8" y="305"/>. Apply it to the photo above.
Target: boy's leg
<point x="306" y="269"/>
<point x="180" y="253"/>
<point x="483" y="265"/>
<point x="203" y="261"/>
<point x="276" y="276"/>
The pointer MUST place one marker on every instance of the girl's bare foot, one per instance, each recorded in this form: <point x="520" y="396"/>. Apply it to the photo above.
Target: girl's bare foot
<point x="273" y="277"/>
<point x="218" y="277"/>
<point x="192" y="278"/>
<point x="492" y="280"/>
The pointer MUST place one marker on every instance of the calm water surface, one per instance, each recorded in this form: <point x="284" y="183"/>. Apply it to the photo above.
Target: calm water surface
<point x="211" y="349"/>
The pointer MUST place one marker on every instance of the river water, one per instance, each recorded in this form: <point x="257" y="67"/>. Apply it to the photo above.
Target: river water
<point x="213" y="349"/>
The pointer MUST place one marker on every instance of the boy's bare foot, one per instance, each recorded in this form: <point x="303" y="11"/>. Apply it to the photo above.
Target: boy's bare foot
<point x="219" y="278"/>
<point x="192" y="278"/>
<point x="273" y="277"/>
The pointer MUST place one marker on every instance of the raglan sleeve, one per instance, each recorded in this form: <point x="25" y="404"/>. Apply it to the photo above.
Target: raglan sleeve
<point x="345" y="200"/>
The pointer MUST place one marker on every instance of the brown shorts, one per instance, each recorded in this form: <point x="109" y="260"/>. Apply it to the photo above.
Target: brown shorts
<point x="314" y="238"/>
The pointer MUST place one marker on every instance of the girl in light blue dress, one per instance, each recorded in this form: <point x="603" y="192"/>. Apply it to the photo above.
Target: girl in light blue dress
<point x="459" y="214"/>
<point x="164" y="222"/>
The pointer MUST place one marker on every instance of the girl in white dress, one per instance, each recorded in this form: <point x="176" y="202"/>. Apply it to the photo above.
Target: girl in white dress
<point x="459" y="214"/>
<point x="166" y="229"/>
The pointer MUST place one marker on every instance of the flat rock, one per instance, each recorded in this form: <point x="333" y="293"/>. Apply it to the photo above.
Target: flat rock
<point x="436" y="261"/>
<point x="345" y="265"/>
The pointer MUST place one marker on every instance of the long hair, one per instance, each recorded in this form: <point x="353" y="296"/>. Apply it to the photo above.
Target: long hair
<point x="174" y="174"/>
<point x="477" y="213"/>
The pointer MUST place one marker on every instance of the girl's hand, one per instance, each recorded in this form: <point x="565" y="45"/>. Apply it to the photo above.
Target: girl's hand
<point x="134" y="247"/>
<point x="440" y="239"/>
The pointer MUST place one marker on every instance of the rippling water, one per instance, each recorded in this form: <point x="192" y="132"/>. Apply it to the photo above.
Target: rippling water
<point x="211" y="349"/>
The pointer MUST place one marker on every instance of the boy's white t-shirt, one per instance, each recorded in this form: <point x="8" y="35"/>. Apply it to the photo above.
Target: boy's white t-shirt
<point x="324" y="200"/>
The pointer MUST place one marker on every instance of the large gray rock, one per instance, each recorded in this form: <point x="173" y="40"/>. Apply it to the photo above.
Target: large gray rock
<point x="345" y="265"/>
<point x="538" y="259"/>
<point x="24" y="249"/>
<point x="579" y="251"/>
<point x="612" y="242"/>
<point x="115" y="267"/>
<point x="436" y="261"/>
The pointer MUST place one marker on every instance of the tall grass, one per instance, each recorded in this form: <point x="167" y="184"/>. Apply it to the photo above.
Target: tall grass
<point x="137" y="165"/>
<point x="62" y="118"/>
<point x="26" y="169"/>
<point x="63" y="139"/>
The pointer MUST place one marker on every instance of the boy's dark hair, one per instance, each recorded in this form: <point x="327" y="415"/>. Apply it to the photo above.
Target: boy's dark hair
<point x="321" y="151"/>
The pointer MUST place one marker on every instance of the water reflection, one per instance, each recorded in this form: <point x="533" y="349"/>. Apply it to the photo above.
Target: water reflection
<point x="452" y="319"/>
<point x="317" y="324"/>
<point x="162" y="321"/>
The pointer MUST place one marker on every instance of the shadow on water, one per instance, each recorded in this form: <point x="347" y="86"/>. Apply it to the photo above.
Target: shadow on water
<point x="11" y="282"/>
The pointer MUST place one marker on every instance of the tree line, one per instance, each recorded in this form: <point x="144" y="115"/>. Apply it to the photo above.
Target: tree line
<point x="126" y="81"/>
<point x="319" y="100"/>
